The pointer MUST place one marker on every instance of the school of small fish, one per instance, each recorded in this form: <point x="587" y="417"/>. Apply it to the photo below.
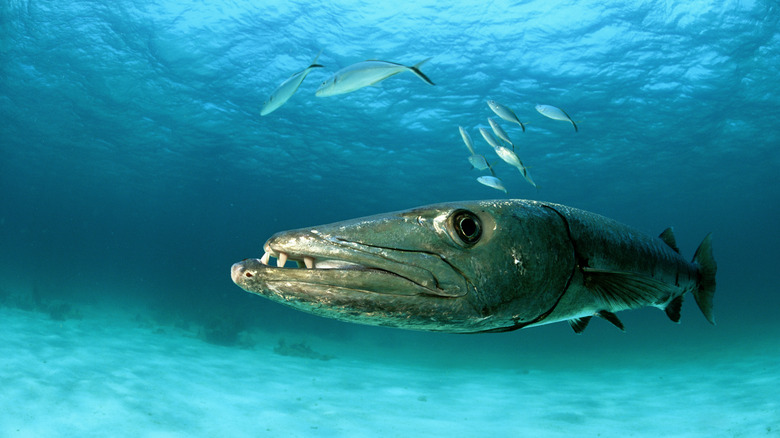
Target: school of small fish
<point x="501" y="140"/>
<point x="371" y="72"/>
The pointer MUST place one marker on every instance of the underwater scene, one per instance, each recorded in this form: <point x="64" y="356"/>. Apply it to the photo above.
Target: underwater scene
<point x="595" y="254"/>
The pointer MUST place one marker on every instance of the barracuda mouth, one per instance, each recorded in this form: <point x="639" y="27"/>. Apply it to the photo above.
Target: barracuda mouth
<point x="310" y="263"/>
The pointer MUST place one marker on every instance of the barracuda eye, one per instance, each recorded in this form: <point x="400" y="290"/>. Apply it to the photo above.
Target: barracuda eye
<point x="467" y="226"/>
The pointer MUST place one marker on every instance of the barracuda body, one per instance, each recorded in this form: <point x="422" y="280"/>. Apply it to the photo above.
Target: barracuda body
<point x="480" y="266"/>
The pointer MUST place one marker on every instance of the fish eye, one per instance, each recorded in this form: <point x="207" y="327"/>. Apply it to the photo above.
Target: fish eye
<point x="467" y="226"/>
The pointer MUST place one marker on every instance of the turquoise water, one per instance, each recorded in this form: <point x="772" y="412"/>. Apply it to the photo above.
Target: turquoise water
<point x="135" y="168"/>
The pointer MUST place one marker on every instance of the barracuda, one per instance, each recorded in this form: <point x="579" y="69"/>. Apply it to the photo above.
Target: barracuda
<point x="480" y="266"/>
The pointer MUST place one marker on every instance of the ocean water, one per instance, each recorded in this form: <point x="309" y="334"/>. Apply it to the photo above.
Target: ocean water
<point x="135" y="169"/>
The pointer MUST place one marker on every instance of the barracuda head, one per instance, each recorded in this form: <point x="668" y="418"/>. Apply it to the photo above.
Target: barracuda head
<point x="459" y="267"/>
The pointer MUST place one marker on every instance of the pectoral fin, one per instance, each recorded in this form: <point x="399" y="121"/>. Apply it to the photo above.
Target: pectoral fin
<point x="625" y="290"/>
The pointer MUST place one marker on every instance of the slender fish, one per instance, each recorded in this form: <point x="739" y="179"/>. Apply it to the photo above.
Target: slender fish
<point x="479" y="162"/>
<point x="505" y="113"/>
<point x="512" y="159"/>
<point x="500" y="133"/>
<point x="467" y="139"/>
<point x="489" y="138"/>
<point x="555" y="113"/>
<point x="363" y="74"/>
<point x="492" y="181"/>
<point x="284" y="92"/>
<point x="479" y="267"/>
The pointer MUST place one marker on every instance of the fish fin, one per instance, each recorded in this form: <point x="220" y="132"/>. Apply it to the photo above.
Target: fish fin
<point x="624" y="290"/>
<point x="416" y="70"/>
<point x="316" y="66"/>
<point x="570" y="119"/>
<point x="668" y="237"/>
<point x="579" y="324"/>
<point x="705" y="290"/>
<point x="521" y="125"/>
<point x="419" y="64"/>
<point x="612" y="318"/>
<point x="673" y="309"/>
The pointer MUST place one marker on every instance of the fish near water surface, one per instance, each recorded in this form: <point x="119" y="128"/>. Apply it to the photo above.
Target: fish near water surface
<point x="284" y="92"/>
<point x="556" y="113"/>
<point x="478" y="267"/>
<point x="505" y="113"/>
<point x="489" y="138"/>
<point x="363" y="74"/>
<point x="466" y="139"/>
<point x="492" y="182"/>
<point x="479" y="162"/>
<point x="499" y="131"/>
<point x="507" y="155"/>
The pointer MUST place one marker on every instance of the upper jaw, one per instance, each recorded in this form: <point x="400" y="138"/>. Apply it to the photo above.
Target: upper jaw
<point x="328" y="260"/>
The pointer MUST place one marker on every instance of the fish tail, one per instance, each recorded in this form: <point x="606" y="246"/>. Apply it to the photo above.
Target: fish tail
<point x="314" y="63"/>
<point x="571" y="120"/>
<point x="705" y="290"/>
<point x="416" y="70"/>
<point x="419" y="64"/>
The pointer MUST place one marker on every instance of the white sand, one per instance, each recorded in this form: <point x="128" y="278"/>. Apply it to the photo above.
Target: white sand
<point x="101" y="376"/>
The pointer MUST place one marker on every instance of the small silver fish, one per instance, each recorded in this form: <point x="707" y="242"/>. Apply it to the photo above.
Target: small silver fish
<point x="466" y="139"/>
<point x="284" y="92"/>
<point x="555" y="113"/>
<point x="528" y="178"/>
<point x="489" y="138"/>
<point x="505" y="113"/>
<point x="512" y="159"/>
<point x="479" y="162"/>
<point x="363" y="74"/>
<point x="492" y="181"/>
<point x="500" y="133"/>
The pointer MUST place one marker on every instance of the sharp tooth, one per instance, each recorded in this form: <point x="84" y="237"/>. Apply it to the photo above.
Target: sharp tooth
<point x="264" y="258"/>
<point x="281" y="260"/>
<point x="308" y="261"/>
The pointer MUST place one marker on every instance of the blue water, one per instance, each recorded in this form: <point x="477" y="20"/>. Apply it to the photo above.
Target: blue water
<point x="135" y="167"/>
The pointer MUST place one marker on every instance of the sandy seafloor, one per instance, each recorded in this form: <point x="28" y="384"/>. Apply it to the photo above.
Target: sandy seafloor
<point x="102" y="374"/>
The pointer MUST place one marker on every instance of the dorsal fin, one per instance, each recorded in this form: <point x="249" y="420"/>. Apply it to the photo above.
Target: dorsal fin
<point x="579" y="324"/>
<point x="668" y="237"/>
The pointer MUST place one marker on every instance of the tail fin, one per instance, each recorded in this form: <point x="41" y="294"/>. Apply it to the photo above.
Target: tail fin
<point x="705" y="290"/>
<point x="314" y="63"/>
<point x="416" y="70"/>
